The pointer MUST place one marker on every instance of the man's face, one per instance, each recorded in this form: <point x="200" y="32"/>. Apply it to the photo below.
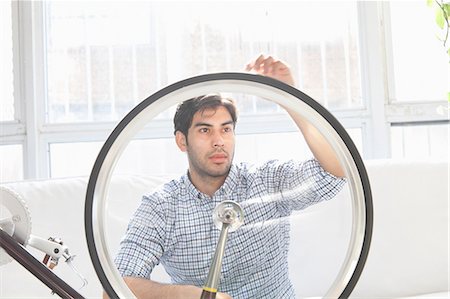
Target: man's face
<point x="210" y="143"/>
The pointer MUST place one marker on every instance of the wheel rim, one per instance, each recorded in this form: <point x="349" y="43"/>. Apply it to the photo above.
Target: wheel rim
<point x="265" y="87"/>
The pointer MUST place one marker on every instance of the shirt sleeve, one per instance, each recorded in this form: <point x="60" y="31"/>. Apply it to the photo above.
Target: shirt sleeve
<point x="302" y="184"/>
<point x="143" y="244"/>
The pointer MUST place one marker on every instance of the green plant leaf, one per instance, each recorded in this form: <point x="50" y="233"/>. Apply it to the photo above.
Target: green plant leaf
<point x="446" y="7"/>
<point x="440" y="20"/>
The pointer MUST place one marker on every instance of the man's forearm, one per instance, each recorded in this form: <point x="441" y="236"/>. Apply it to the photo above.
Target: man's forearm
<point x="319" y="146"/>
<point x="148" y="289"/>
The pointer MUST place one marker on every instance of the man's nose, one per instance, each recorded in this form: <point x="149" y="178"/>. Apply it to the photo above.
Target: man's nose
<point x="218" y="140"/>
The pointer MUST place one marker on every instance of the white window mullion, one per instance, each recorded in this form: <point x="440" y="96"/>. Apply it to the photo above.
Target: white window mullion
<point x="31" y="49"/>
<point x="66" y="90"/>
<point x="134" y="74"/>
<point x="323" y="63"/>
<point x="19" y="109"/>
<point x="373" y="73"/>
<point x="87" y="49"/>
<point x="14" y="132"/>
<point x="204" y="50"/>
<point x="112" y="92"/>
<point x="159" y="43"/>
<point x="228" y="51"/>
<point x="389" y="53"/>
<point x="300" y="81"/>
<point x="347" y="69"/>
<point x="429" y="144"/>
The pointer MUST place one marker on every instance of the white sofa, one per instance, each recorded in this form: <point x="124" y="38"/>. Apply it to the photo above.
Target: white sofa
<point x="408" y="258"/>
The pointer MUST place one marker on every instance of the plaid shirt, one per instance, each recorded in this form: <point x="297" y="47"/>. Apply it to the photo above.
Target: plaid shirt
<point x="173" y="226"/>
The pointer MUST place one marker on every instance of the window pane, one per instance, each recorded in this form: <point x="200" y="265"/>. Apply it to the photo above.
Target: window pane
<point x="159" y="156"/>
<point x="255" y="148"/>
<point x="6" y="57"/>
<point x="11" y="162"/>
<point x="104" y="57"/>
<point x="356" y="134"/>
<point x="100" y="58"/>
<point x="148" y="156"/>
<point x="420" y="141"/>
<point x="420" y="59"/>
<point x="73" y="159"/>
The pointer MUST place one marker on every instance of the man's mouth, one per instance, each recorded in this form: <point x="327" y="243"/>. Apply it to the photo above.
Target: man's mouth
<point x="218" y="158"/>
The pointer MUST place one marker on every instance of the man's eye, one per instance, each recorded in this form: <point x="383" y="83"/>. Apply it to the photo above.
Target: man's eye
<point x="204" y="130"/>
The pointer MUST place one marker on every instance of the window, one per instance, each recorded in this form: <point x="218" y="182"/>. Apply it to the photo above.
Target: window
<point x="102" y="59"/>
<point x="76" y="68"/>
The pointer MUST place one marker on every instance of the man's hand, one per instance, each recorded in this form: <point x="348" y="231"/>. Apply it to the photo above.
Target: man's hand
<point x="271" y="67"/>
<point x="223" y="296"/>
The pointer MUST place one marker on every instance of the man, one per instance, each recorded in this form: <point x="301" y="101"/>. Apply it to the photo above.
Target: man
<point x="174" y="226"/>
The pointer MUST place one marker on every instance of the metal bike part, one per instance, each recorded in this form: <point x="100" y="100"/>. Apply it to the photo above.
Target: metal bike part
<point x="15" y="228"/>
<point x="15" y="220"/>
<point x="228" y="216"/>
<point x="229" y="212"/>
<point x="35" y="267"/>
<point x="54" y="249"/>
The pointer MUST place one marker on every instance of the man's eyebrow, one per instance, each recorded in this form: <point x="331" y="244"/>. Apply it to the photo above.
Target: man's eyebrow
<point x="203" y="124"/>
<point x="230" y="122"/>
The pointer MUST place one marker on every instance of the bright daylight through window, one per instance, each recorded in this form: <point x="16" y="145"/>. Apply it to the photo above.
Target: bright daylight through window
<point x="102" y="59"/>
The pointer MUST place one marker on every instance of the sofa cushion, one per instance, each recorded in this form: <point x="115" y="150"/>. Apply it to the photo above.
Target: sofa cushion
<point x="409" y="251"/>
<point x="440" y="295"/>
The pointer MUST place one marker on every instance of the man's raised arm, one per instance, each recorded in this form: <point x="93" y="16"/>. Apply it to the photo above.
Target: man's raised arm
<point x="321" y="149"/>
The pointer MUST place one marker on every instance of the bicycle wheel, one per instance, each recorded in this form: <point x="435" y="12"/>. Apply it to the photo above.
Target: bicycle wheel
<point x="270" y="89"/>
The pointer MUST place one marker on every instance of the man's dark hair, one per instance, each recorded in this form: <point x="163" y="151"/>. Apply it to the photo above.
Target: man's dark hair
<point x="186" y="110"/>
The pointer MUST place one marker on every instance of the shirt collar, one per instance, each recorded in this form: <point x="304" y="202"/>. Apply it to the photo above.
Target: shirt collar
<point x="231" y="182"/>
<point x="225" y="190"/>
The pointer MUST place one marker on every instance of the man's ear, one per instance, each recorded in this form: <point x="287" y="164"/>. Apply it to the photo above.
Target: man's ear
<point x="181" y="141"/>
